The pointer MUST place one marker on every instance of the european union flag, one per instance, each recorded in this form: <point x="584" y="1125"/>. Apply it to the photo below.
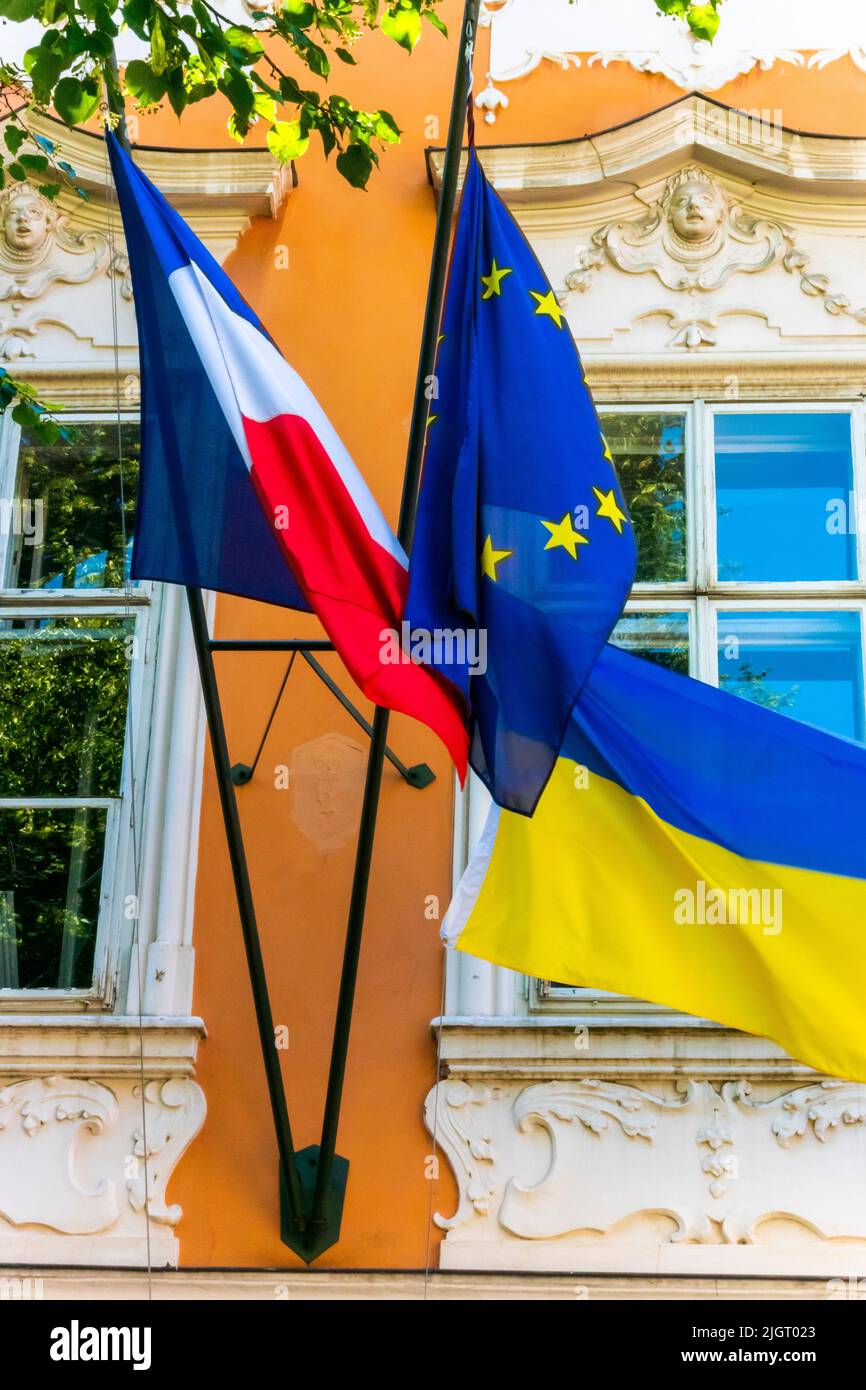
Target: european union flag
<point x="523" y="542"/>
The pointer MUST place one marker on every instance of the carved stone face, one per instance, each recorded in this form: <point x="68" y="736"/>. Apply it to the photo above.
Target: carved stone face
<point x="695" y="211"/>
<point x="25" y="222"/>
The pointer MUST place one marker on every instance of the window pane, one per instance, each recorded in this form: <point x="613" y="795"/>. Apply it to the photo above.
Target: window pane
<point x="50" y="875"/>
<point x="808" y="665"/>
<point x="649" y="453"/>
<point x="63" y="690"/>
<point x="780" y="483"/>
<point x="67" y="533"/>
<point x="660" y="637"/>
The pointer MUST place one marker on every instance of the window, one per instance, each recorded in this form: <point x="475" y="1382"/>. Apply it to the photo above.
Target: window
<point x="751" y="562"/>
<point x="72" y="627"/>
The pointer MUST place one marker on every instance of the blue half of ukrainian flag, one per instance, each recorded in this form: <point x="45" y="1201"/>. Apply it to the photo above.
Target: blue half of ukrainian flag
<point x="523" y="539"/>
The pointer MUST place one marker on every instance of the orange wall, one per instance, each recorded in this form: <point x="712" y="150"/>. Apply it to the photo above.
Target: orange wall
<point x="347" y="312"/>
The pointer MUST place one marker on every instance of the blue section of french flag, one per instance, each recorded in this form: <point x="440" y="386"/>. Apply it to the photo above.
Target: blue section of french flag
<point x="246" y="486"/>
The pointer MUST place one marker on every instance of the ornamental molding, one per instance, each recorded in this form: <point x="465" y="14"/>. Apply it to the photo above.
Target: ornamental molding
<point x="694" y="238"/>
<point x="65" y="283"/>
<point x="77" y="1141"/>
<point x="683" y="1174"/>
<point x="76" y="1155"/>
<point x="549" y="179"/>
<point x="235" y="184"/>
<point x="526" y="33"/>
<point x="691" y="238"/>
<point x="40" y="247"/>
<point x="696" y="65"/>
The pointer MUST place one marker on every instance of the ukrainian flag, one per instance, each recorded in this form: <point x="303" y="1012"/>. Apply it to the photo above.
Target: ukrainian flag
<point x="692" y="849"/>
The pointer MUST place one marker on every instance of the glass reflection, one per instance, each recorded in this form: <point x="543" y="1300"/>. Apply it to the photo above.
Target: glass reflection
<point x="74" y="505"/>
<point x="650" y="457"/>
<point x="50" y="881"/>
<point x="782" y="482"/>
<point x="63" y="694"/>
<point x="661" y="637"/>
<point x="808" y="665"/>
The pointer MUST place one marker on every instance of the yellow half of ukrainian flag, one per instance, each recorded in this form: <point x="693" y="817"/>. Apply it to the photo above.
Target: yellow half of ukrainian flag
<point x="694" y="850"/>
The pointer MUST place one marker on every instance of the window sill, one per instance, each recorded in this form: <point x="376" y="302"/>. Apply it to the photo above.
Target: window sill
<point x="104" y="1044"/>
<point x="588" y="1043"/>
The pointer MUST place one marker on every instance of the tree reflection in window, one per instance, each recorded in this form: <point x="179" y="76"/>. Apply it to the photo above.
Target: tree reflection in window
<point x="87" y="497"/>
<point x="650" y="457"/>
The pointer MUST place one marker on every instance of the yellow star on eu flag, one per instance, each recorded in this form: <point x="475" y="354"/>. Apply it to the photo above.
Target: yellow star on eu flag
<point x="610" y="508"/>
<point x="490" y="558"/>
<point x="563" y="533"/>
<point x="546" y="306"/>
<point x="493" y="282"/>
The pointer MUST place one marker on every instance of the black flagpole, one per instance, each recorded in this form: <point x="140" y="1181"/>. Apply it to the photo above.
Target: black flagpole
<point x="321" y="1217"/>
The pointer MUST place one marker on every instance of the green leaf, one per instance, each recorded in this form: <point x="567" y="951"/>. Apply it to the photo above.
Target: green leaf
<point x="238" y="128"/>
<point x="199" y="91"/>
<point x="235" y="86"/>
<point x="17" y="171"/>
<point x="77" y="39"/>
<point x="287" y="140"/>
<point x="44" y="66"/>
<point x="265" y="106"/>
<point x="298" y="12"/>
<point x="137" y="14"/>
<point x="387" y="128"/>
<point x="142" y="83"/>
<point x="437" y="22"/>
<point x="316" y="59"/>
<point x="14" y="137"/>
<point x="36" y="163"/>
<point x="16" y="10"/>
<point x="345" y="56"/>
<point x="289" y="90"/>
<point x="49" y="190"/>
<point x="100" y="43"/>
<point x="703" y="21"/>
<point x="247" y="44"/>
<point x="76" y="100"/>
<point x="158" y="58"/>
<point x="177" y="93"/>
<point x="355" y="163"/>
<point x="403" y="26"/>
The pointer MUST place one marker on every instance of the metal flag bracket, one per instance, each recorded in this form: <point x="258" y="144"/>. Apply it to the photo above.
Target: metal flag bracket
<point x="419" y="775"/>
<point x="312" y="1182"/>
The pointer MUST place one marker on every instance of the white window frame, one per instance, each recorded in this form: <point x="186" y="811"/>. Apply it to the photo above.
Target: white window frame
<point x="702" y="596"/>
<point x="143" y="604"/>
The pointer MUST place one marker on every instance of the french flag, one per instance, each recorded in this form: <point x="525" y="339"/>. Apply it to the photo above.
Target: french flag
<point x="245" y="484"/>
